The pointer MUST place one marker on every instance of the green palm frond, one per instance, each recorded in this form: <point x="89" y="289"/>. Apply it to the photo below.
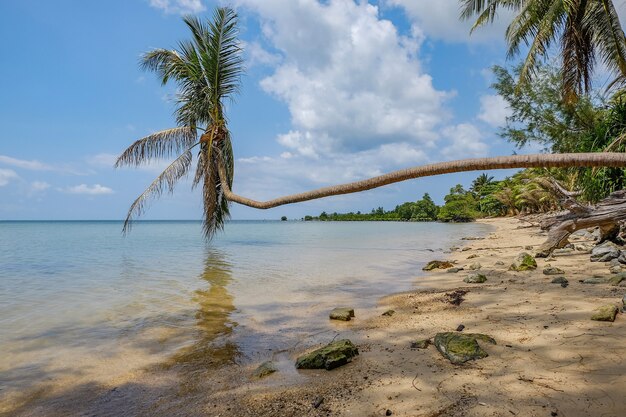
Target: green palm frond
<point x="161" y="144"/>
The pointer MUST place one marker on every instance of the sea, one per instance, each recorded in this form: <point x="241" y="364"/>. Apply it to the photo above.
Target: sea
<point x="82" y="303"/>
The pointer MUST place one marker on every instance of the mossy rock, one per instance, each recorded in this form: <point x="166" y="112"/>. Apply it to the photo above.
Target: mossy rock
<point x="475" y="266"/>
<point x="553" y="270"/>
<point x="341" y="313"/>
<point x="475" y="279"/>
<point x="615" y="281"/>
<point x="265" y="369"/>
<point x="523" y="262"/>
<point x="437" y="265"/>
<point x="605" y="313"/>
<point x="328" y="357"/>
<point x="459" y="348"/>
<point x="595" y="280"/>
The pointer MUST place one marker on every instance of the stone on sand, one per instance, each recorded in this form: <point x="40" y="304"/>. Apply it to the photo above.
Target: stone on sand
<point x="341" y="313"/>
<point x="459" y="348"/>
<point x="523" y="262"/>
<point x="605" y="313"/>
<point x="328" y="357"/>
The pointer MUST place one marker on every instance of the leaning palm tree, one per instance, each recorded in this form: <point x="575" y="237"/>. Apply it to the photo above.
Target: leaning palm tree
<point x="583" y="31"/>
<point x="207" y="71"/>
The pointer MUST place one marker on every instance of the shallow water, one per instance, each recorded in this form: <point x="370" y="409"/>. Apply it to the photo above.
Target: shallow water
<point x="81" y="303"/>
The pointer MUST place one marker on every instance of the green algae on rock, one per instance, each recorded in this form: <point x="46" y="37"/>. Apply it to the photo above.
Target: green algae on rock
<point x="328" y="357"/>
<point x="605" y="313"/>
<point x="462" y="347"/>
<point x="523" y="262"/>
<point x="265" y="369"/>
<point x="437" y="265"/>
<point x="341" y="313"/>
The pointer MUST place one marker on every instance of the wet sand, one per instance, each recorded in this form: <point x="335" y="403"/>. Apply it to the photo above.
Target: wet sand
<point x="550" y="358"/>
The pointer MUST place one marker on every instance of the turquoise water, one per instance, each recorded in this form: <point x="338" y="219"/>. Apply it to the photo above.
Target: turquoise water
<point x="80" y="302"/>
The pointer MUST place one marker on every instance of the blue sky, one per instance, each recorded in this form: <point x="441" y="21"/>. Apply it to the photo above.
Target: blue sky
<point x="334" y="91"/>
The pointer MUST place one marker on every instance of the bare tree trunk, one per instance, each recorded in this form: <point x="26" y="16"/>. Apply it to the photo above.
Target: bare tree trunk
<point x="604" y="159"/>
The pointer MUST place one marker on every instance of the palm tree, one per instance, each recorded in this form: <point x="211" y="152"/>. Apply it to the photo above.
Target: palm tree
<point x="480" y="182"/>
<point x="583" y="29"/>
<point x="207" y="70"/>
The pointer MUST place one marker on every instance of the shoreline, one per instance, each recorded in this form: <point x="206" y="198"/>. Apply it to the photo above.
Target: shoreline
<point x="549" y="358"/>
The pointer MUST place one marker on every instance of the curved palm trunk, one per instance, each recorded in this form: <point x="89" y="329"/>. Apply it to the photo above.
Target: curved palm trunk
<point x="604" y="159"/>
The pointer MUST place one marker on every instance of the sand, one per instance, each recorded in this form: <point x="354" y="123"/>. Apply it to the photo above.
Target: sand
<point x="550" y="358"/>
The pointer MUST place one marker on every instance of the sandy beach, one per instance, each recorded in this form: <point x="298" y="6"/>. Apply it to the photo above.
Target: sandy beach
<point x="550" y="358"/>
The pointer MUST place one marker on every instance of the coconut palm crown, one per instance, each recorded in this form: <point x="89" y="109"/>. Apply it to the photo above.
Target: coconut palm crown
<point x="582" y="30"/>
<point x="207" y="70"/>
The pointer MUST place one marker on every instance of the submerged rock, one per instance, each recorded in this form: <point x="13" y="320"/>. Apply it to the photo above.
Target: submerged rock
<point x="552" y="270"/>
<point x="328" y="357"/>
<point x="523" y="262"/>
<point x="341" y="313"/>
<point x="437" y="265"/>
<point x="605" y="313"/>
<point x="420" y="344"/>
<point x="475" y="279"/>
<point x="265" y="369"/>
<point x="462" y="347"/>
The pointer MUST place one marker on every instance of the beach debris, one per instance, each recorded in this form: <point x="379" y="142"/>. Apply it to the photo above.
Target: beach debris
<point x="265" y="369"/>
<point x="594" y="280"/>
<point x="454" y="270"/>
<point x="437" y="265"/>
<point x="523" y="262"/>
<point x="456" y="297"/>
<point x="617" y="279"/>
<point x="341" y="313"/>
<point x="605" y="313"/>
<point x="473" y="256"/>
<point x="605" y="252"/>
<point x="475" y="279"/>
<point x="317" y="402"/>
<point x="459" y="348"/>
<point x="420" y="344"/>
<point x="559" y="280"/>
<point x="460" y="327"/>
<point x="475" y="266"/>
<point x="329" y="357"/>
<point x="553" y="270"/>
<point x="389" y="313"/>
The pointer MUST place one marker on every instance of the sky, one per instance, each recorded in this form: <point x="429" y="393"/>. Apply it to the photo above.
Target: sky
<point x="334" y="91"/>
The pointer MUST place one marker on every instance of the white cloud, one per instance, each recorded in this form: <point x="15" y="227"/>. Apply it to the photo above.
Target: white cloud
<point x="494" y="110"/>
<point x="465" y="142"/>
<point x="350" y="81"/>
<point x="95" y="189"/>
<point x="257" y="55"/>
<point x="102" y="160"/>
<point x="440" y="20"/>
<point x="6" y="175"/>
<point x="178" y="6"/>
<point x="38" y="186"/>
<point x="24" y="164"/>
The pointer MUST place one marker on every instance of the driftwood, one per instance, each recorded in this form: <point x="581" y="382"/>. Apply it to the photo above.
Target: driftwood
<point x="606" y="215"/>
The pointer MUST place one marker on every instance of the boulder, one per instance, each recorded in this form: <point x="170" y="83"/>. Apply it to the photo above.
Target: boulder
<point x="475" y="266"/>
<point x="328" y="357"/>
<point x="461" y="347"/>
<point x="437" y="265"/>
<point x="605" y="313"/>
<point x="559" y="280"/>
<point x="523" y="262"/>
<point x="341" y="313"/>
<point x="265" y="369"/>
<point x="553" y="270"/>
<point x="605" y="252"/>
<point x="475" y="279"/>
<point x="420" y="344"/>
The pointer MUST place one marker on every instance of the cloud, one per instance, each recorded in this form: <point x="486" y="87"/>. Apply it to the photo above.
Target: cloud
<point x="102" y="160"/>
<point x="494" y="110"/>
<point x="350" y="81"/>
<point x="178" y="6"/>
<point x="95" y="189"/>
<point x="39" y="186"/>
<point x="440" y="20"/>
<point x="24" y="164"/>
<point x="6" y="175"/>
<point x="465" y="142"/>
<point x="257" y="55"/>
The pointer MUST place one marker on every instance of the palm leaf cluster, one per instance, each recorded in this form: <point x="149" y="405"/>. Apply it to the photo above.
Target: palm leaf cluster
<point x="207" y="70"/>
<point x="584" y="31"/>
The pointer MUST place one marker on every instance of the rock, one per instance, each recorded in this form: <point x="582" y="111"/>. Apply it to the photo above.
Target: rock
<point x="624" y="303"/>
<point x="563" y="251"/>
<point x="460" y="328"/>
<point x="454" y="270"/>
<point x="499" y="263"/>
<point x="616" y="269"/>
<point x="605" y="252"/>
<point x="622" y="257"/>
<point x="265" y="369"/>
<point x="475" y="266"/>
<point x="594" y="280"/>
<point x="341" y="313"/>
<point x="614" y="262"/>
<point x="465" y="249"/>
<point x="559" y="280"/>
<point x="389" y="313"/>
<point x="550" y="259"/>
<point x="388" y="413"/>
<point x="605" y="313"/>
<point x="475" y="279"/>
<point x="328" y="357"/>
<point x="317" y="402"/>
<point x="420" y="344"/>
<point x="461" y="347"/>
<point x="528" y="247"/>
<point x="523" y="262"/>
<point x="553" y="271"/>
<point x="617" y="279"/>
<point x="437" y="265"/>
<point x="472" y="256"/>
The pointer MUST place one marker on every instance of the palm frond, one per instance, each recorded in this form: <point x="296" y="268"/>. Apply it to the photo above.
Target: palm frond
<point x="166" y="181"/>
<point x="161" y="144"/>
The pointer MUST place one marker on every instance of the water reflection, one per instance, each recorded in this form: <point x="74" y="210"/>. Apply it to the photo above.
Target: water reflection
<point x="212" y="345"/>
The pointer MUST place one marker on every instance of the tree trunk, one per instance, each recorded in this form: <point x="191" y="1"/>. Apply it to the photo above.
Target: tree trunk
<point x="606" y="215"/>
<point x="604" y="159"/>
